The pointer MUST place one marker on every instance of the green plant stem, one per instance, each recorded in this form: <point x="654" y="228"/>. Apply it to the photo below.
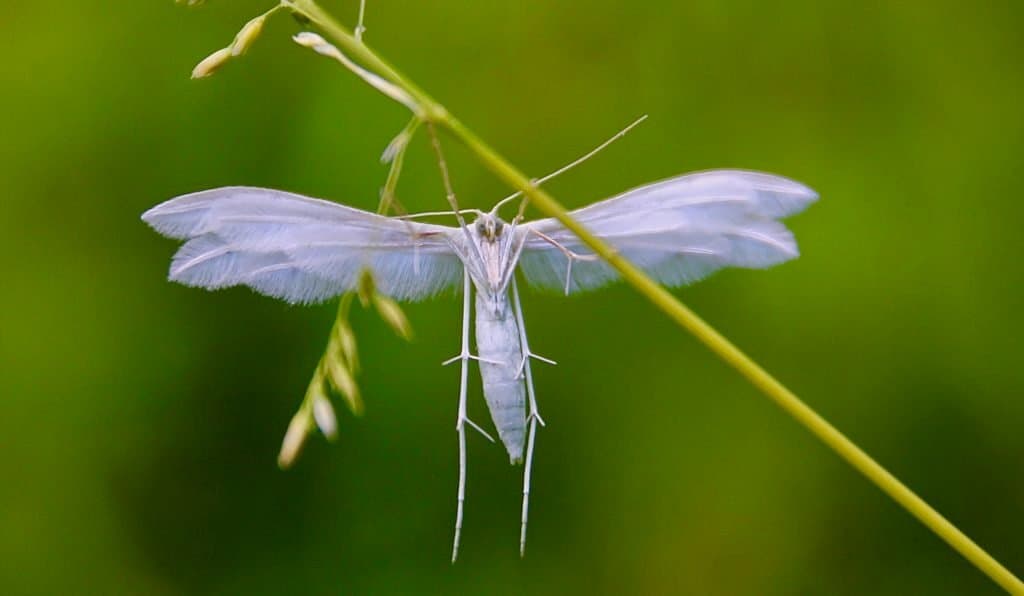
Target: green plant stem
<point x="387" y="195"/>
<point x="665" y="301"/>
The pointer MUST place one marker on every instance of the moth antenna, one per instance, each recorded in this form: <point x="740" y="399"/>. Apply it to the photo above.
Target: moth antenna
<point x="436" y="213"/>
<point x="566" y="168"/>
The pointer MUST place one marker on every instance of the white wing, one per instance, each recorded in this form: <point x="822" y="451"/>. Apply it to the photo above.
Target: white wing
<point x="300" y="249"/>
<point x="678" y="230"/>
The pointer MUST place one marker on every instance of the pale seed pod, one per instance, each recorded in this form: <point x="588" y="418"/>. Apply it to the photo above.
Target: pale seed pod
<point x="294" y="438"/>
<point x="342" y="380"/>
<point x="393" y="315"/>
<point x="247" y="35"/>
<point x="366" y="288"/>
<point x="396" y="146"/>
<point x="321" y="46"/>
<point x="211" y="63"/>
<point x="323" y="414"/>
<point x="310" y="40"/>
<point x="346" y="341"/>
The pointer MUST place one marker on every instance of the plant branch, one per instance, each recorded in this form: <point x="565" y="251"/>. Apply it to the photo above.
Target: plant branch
<point x="434" y="112"/>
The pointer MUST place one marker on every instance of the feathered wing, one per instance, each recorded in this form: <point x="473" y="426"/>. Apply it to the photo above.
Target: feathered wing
<point x="300" y="249"/>
<point x="678" y="230"/>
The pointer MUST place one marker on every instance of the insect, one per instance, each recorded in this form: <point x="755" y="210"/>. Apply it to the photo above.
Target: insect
<point x="306" y="250"/>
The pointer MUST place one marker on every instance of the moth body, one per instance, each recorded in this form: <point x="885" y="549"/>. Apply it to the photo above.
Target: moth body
<point x="501" y="363"/>
<point x="491" y="263"/>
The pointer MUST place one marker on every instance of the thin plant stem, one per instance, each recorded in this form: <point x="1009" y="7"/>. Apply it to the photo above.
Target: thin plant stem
<point x="435" y="141"/>
<point x="434" y="112"/>
<point x="360" y="28"/>
<point x="387" y="195"/>
<point x="446" y="178"/>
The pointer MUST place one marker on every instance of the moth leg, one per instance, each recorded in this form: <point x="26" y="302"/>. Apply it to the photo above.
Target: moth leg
<point x="533" y="416"/>
<point x="570" y="257"/>
<point x="522" y="364"/>
<point x="464" y="356"/>
<point x="460" y="425"/>
<point x="478" y="429"/>
<point x="467" y="356"/>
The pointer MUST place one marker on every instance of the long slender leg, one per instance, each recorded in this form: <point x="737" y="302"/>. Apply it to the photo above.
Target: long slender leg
<point x="533" y="416"/>
<point x="570" y="257"/>
<point x="510" y="282"/>
<point x="460" y="425"/>
<point x="464" y="356"/>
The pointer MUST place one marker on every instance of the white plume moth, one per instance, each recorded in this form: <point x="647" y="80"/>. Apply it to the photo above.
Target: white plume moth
<point x="305" y="250"/>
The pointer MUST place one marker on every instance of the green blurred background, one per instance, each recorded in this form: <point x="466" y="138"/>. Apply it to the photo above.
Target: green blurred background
<point x="140" y="420"/>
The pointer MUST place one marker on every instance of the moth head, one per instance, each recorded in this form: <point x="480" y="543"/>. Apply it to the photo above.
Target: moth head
<point x="489" y="227"/>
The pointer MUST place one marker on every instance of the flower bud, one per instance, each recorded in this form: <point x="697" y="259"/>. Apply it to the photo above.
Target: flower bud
<point x="211" y="63"/>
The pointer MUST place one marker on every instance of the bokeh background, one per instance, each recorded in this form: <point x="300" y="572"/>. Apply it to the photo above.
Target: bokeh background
<point x="140" y="420"/>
